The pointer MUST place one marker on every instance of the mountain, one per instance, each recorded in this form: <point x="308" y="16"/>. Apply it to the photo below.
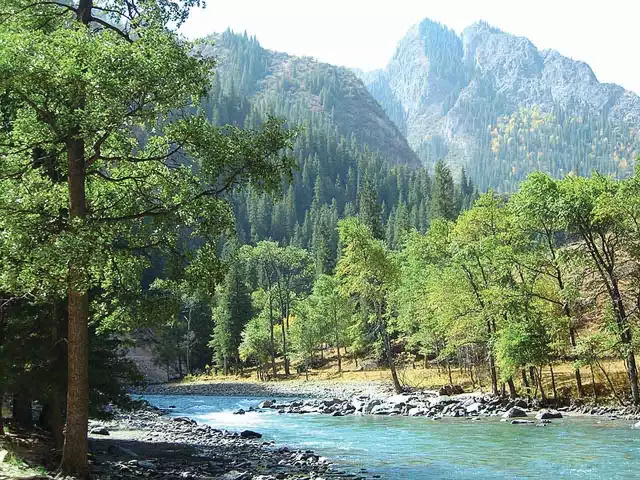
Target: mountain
<point x="293" y="87"/>
<point x="352" y="158"/>
<point x="494" y="103"/>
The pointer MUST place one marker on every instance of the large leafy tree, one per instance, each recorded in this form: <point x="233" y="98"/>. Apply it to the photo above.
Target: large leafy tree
<point x="536" y="233"/>
<point x="95" y="155"/>
<point x="329" y="309"/>
<point x="595" y="209"/>
<point x="367" y="275"/>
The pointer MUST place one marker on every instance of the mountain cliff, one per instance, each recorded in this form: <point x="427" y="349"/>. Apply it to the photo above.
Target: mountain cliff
<point x="494" y="103"/>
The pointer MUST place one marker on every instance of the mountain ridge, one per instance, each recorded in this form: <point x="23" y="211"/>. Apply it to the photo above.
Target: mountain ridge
<point x="303" y="82"/>
<point x="444" y="90"/>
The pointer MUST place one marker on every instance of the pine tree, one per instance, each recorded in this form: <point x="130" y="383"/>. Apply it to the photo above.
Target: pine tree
<point x="443" y="202"/>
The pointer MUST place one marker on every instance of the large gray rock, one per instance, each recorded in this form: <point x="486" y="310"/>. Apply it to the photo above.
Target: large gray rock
<point x="370" y="405"/>
<point x="250" y="434"/>
<point x="637" y="425"/>
<point x="514" y="412"/>
<point x="267" y="404"/>
<point x="380" y="410"/>
<point x="475" y="407"/>
<point x="235" y="475"/>
<point x="545" y="414"/>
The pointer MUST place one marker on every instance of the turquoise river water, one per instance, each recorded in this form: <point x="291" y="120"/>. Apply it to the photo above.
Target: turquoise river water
<point x="419" y="448"/>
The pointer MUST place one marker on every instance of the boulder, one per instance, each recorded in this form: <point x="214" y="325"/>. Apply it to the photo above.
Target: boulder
<point x="416" y="412"/>
<point x="370" y="404"/>
<point x="440" y="400"/>
<point x="473" y="408"/>
<point x="637" y="425"/>
<point x="239" y="412"/>
<point x="545" y="414"/>
<point x="250" y="434"/>
<point x="184" y="420"/>
<point x="522" y="422"/>
<point x="398" y="399"/>
<point x="99" y="431"/>
<point x="235" y="475"/>
<point x="380" y="410"/>
<point x="267" y="404"/>
<point x="451" y="390"/>
<point x="514" y="412"/>
<point x="520" y="403"/>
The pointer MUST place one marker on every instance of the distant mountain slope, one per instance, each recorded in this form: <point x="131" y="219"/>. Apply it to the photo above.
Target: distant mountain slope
<point x="294" y="86"/>
<point x="494" y="103"/>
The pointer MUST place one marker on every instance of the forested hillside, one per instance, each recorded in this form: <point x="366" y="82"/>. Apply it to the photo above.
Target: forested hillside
<point x="494" y="103"/>
<point x="348" y="152"/>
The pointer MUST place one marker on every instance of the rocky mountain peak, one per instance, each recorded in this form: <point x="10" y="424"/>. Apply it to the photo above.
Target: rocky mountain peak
<point x="449" y="94"/>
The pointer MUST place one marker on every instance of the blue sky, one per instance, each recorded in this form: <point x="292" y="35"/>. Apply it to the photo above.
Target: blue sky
<point x="363" y="34"/>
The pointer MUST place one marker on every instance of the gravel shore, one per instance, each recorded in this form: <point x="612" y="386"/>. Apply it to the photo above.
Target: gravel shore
<point x="149" y="444"/>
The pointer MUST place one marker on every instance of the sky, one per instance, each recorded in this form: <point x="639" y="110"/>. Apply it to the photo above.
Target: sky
<point x="364" y="34"/>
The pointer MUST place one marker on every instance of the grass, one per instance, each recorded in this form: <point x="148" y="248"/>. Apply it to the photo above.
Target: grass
<point x="13" y="466"/>
<point x="434" y="378"/>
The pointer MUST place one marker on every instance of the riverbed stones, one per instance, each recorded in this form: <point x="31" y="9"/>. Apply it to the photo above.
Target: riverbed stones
<point x="371" y="404"/>
<point x="451" y="390"/>
<point x="235" y="475"/>
<point x="473" y="408"/>
<point x="514" y="412"/>
<point x="99" y="431"/>
<point x="546" y="414"/>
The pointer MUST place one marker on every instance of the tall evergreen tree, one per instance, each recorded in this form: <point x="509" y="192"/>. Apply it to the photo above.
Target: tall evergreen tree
<point x="443" y="195"/>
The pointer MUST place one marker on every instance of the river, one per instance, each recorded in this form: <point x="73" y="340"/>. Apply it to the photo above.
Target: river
<point x="416" y="448"/>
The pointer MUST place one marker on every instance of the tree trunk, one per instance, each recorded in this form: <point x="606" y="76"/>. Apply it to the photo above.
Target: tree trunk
<point x="534" y="381"/>
<point x="539" y="376"/>
<point x="22" y="410"/>
<point x="525" y="383"/>
<point x="512" y="388"/>
<point x="572" y="339"/>
<point x="449" y="372"/>
<point x="273" y="340"/>
<point x="627" y="339"/>
<point x="284" y="350"/>
<point x="339" y="359"/>
<point x="75" y="451"/>
<point x="1" y="411"/>
<point x="492" y="365"/>
<point x="188" y="343"/>
<point x="553" y="383"/>
<point x="394" y="374"/>
<point x="593" y="385"/>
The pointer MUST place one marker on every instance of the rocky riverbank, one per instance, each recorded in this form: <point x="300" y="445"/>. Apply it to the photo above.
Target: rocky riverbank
<point x="149" y="444"/>
<point x="377" y="398"/>
<point x="435" y="406"/>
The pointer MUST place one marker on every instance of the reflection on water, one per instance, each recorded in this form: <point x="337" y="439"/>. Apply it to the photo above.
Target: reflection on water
<point x="420" y="448"/>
